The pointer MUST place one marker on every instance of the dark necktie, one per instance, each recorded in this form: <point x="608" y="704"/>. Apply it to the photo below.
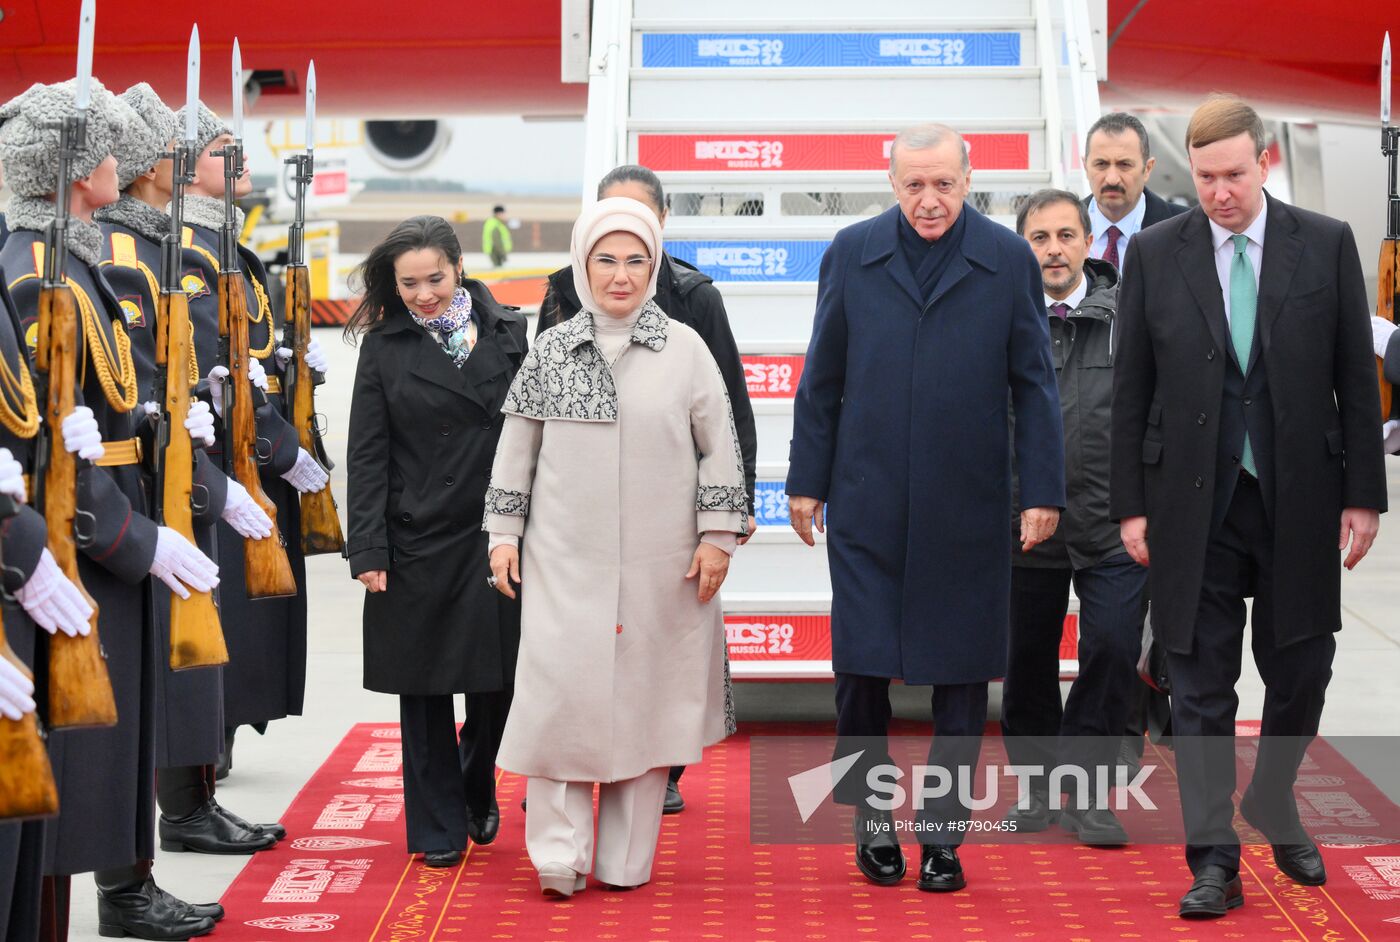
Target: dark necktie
<point x="1110" y="251"/>
<point x="1060" y="310"/>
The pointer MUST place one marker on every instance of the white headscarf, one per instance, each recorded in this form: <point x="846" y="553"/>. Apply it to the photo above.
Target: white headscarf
<point x="615" y="214"/>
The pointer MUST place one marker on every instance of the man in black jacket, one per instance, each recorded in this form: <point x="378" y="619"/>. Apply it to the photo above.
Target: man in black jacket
<point x="1081" y="298"/>
<point x="1118" y="160"/>
<point x="687" y="296"/>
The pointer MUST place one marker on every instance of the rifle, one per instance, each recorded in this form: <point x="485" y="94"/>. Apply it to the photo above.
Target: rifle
<point x="1386" y="285"/>
<point x="27" y="788"/>
<point x="267" y="572"/>
<point x="80" y="690"/>
<point x="320" y="523"/>
<point x="196" y="637"/>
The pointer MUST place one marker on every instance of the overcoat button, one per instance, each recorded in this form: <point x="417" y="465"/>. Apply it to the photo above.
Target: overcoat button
<point x="444" y="428"/>
<point x="1201" y="419"/>
<point x="449" y="480"/>
<point x="406" y="517"/>
<point x="1200" y="482"/>
<point x="1211" y="354"/>
<point x="487" y="424"/>
<point x="1249" y="402"/>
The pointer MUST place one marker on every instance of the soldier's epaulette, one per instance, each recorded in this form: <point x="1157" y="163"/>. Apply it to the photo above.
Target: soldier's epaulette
<point x="123" y="249"/>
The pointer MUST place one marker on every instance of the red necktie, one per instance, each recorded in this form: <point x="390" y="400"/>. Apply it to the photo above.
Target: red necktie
<point x="1060" y="310"/>
<point x="1110" y="251"/>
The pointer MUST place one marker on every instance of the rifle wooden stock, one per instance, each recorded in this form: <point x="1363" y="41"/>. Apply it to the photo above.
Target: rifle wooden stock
<point x="80" y="690"/>
<point x="196" y="637"/>
<point x="27" y="788"/>
<point x="320" y="522"/>
<point x="267" y="572"/>
<point x="1386" y="287"/>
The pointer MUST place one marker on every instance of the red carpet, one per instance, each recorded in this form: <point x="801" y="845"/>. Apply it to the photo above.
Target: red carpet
<point x="343" y="874"/>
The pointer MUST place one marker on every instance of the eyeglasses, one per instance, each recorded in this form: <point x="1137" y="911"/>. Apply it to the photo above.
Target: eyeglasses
<point x="636" y="266"/>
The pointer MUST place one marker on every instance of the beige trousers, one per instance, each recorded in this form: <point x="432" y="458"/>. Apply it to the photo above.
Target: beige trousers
<point x="559" y="826"/>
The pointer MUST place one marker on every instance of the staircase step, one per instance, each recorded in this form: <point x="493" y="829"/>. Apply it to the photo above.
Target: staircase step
<point x="685" y="94"/>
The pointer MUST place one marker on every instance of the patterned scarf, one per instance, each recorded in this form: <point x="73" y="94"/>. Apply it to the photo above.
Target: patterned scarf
<point x="454" y="328"/>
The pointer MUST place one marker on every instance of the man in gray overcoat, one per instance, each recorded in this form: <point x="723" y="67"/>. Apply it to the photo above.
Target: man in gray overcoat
<point x="929" y="325"/>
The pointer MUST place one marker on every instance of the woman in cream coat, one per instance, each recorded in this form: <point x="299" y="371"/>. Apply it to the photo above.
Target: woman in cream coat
<point x="616" y="499"/>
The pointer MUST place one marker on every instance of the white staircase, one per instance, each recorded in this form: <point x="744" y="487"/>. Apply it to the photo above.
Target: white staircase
<point x="769" y="122"/>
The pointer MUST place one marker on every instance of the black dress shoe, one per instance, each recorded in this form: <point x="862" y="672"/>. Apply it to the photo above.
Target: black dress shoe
<point x="208" y="832"/>
<point x="1096" y="827"/>
<point x="482" y="828"/>
<point x="442" y="858"/>
<point x="1036" y="816"/>
<point x="1301" y="863"/>
<point x="199" y="910"/>
<point x="275" y="829"/>
<point x="1295" y="854"/>
<point x="674" y="803"/>
<point x="940" y="871"/>
<point x="878" y="854"/>
<point x="1215" y="892"/>
<point x="146" y="912"/>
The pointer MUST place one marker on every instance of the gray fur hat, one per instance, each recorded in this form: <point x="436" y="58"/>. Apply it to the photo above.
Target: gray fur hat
<point x="29" y="146"/>
<point x="144" y="142"/>
<point x="210" y="127"/>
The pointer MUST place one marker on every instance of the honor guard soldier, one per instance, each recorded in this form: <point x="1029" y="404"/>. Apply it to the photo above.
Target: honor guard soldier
<point x="189" y="716"/>
<point x="105" y="773"/>
<point x="266" y="676"/>
<point x="36" y="595"/>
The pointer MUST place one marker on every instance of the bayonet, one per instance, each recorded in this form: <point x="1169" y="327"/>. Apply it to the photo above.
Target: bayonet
<point x="237" y="91"/>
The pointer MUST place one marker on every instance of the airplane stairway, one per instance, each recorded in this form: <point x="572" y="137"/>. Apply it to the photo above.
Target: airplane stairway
<point x="770" y="125"/>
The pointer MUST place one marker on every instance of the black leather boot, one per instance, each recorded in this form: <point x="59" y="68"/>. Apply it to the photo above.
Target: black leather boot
<point x="130" y="904"/>
<point x="208" y="832"/>
<point x="275" y="829"/>
<point x="878" y="854"/>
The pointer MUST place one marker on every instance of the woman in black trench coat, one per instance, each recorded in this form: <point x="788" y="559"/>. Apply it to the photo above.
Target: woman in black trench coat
<point x="438" y="357"/>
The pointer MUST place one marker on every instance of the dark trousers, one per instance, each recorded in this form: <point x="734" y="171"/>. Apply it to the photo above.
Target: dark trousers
<point x="21" y="876"/>
<point x="863" y="721"/>
<point x="1086" y="729"/>
<point x="1239" y="564"/>
<point x="444" y="775"/>
<point x="183" y="789"/>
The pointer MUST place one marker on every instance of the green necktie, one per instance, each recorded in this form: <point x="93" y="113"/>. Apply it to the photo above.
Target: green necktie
<point x="1244" y="298"/>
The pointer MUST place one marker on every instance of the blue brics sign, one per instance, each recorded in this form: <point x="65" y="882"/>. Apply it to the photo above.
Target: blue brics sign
<point x="828" y="50"/>
<point x="753" y="260"/>
<point x="770" y="504"/>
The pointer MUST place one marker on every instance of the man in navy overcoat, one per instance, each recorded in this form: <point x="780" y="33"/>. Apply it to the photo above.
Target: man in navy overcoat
<point x="930" y="326"/>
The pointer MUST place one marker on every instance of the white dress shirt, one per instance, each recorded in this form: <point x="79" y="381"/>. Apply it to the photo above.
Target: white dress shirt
<point x="1130" y="225"/>
<point x="1221" y="238"/>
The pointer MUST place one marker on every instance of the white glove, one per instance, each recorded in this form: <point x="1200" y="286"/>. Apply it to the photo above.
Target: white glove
<point x="1381" y="329"/>
<point x="315" y="357"/>
<point x="217" y="376"/>
<point x="80" y="434"/>
<point x="243" y="513"/>
<point x="1390" y="433"/>
<point x="151" y="408"/>
<point x="179" y="563"/>
<point x="307" y="475"/>
<point x="11" y="477"/>
<point x="199" y="422"/>
<point x="257" y="374"/>
<point x="16" y="691"/>
<point x="53" y="601"/>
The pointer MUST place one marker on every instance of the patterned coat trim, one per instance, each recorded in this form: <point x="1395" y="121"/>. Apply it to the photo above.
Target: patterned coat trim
<point x="722" y="497"/>
<point x="565" y="375"/>
<point x="507" y="503"/>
